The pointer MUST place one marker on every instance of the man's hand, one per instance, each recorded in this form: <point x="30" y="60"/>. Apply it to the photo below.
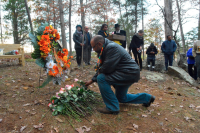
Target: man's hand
<point x="88" y="83"/>
<point x="138" y="49"/>
<point x="82" y="44"/>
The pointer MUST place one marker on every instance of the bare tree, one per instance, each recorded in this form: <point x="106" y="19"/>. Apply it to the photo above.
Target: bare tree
<point x="181" y="27"/>
<point x="168" y="17"/>
<point x="1" y="25"/>
<point x="29" y="16"/>
<point x="83" y="25"/>
<point x="199" y="23"/>
<point x="70" y="26"/>
<point x="64" y="42"/>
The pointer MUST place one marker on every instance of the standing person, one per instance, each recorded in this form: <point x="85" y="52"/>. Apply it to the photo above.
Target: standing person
<point x="151" y="52"/>
<point x="116" y="68"/>
<point x="168" y="48"/>
<point x="87" y="47"/>
<point x="136" y="46"/>
<point x="196" y="54"/>
<point x="103" y="30"/>
<point x="191" y="62"/>
<point x="77" y="38"/>
<point x="120" y="32"/>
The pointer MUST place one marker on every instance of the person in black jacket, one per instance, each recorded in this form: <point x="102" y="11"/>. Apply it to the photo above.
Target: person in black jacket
<point x="77" y="37"/>
<point x="136" y="45"/>
<point x="151" y="52"/>
<point x="103" y="30"/>
<point x="116" y="68"/>
<point x="120" y="32"/>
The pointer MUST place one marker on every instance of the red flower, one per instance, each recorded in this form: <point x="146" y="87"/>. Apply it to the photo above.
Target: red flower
<point x="49" y="104"/>
<point x="53" y="101"/>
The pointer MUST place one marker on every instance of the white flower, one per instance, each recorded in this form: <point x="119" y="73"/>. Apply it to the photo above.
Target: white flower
<point x="79" y="89"/>
<point x="75" y="80"/>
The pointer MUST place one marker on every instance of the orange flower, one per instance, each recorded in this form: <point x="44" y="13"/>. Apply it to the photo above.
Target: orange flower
<point x="53" y="72"/>
<point x="57" y="37"/>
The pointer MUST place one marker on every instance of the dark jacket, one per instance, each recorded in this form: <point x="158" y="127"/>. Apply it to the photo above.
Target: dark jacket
<point x="151" y="49"/>
<point x="86" y="43"/>
<point x="122" y="32"/>
<point x="168" y="47"/>
<point x="77" y="40"/>
<point x="136" y="42"/>
<point x="101" y="32"/>
<point x="191" y="59"/>
<point x="117" y="65"/>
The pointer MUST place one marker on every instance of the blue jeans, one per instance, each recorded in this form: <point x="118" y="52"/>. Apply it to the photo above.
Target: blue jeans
<point x="168" y="60"/>
<point x="112" y="100"/>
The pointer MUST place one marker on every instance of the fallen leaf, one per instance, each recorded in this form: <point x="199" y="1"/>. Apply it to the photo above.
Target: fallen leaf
<point x="27" y="104"/>
<point x="158" y="113"/>
<point x="181" y="106"/>
<point x="22" y="128"/>
<point x="58" y="119"/>
<point x="87" y="129"/>
<point x="93" y="121"/>
<point x="56" y="129"/>
<point x="7" y="84"/>
<point x="191" y="106"/>
<point x="137" y="88"/>
<point x="164" y="129"/>
<point x="1" y="120"/>
<point x="80" y="130"/>
<point x="144" y="115"/>
<point x="125" y="110"/>
<point x="178" y="130"/>
<point x="135" y="126"/>
<point x="41" y="125"/>
<point x="25" y="88"/>
<point x="27" y="111"/>
<point x="129" y="128"/>
<point x="198" y="107"/>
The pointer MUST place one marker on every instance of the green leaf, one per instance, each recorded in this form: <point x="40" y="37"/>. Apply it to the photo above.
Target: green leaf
<point x="39" y="38"/>
<point x="49" y="78"/>
<point x="40" y="62"/>
<point x="75" y="96"/>
<point x="55" y="113"/>
<point x="33" y="40"/>
<point x="41" y="28"/>
<point x="60" y="108"/>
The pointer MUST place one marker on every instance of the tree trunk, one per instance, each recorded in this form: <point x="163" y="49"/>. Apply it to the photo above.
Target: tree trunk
<point x="1" y="26"/>
<point x="83" y="26"/>
<point x="136" y="17"/>
<point x="54" y="15"/>
<point x="168" y="17"/>
<point x="70" y="40"/>
<point x="64" y="42"/>
<point x="181" y="27"/>
<point x="29" y="16"/>
<point x="143" y="26"/>
<point x="199" y="23"/>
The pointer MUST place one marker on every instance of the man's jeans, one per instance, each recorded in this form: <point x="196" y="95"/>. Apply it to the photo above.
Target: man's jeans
<point x="112" y="100"/>
<point x="168" y="60"/>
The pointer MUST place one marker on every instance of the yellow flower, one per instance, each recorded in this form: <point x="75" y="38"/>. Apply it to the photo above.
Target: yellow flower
<point x="64" y="57"/>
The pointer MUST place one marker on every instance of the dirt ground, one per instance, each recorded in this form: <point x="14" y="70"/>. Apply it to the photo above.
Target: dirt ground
<point x="23" y="105"/>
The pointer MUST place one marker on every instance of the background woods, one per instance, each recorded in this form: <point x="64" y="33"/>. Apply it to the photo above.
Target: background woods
<point x="19" y="17"/>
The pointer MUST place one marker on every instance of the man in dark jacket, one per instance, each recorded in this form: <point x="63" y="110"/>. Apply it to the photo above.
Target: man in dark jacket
<point x="87" y="46"/>
<point x="118" y="69"/>
<point x="103" y="30"/>
<point x="77" y="37"/>
<point x="151" y="52"/>
<point x="136" y="45"/>
<point x="168" y="48"/>
<point x="191" y="64"/>
<point x="120" y="32"/>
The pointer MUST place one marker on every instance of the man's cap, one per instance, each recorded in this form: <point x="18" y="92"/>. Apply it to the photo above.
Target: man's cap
<point x="117" y="25"/>
<point x="140" y="31"/>
<point x="79" y="26"/>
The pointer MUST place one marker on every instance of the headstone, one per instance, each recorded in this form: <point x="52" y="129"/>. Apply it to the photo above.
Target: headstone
<point x="182" y="74"/>
<point x="182" y="61"/>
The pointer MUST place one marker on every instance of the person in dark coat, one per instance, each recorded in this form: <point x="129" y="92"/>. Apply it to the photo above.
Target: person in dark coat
<point x="168" y="48"/>
<point x="87" y="46"/>
<point x="191" y="62"/>
<point x="116" y="68"/>
<point x="77" y="38"/>
<point x="151" y="52"/>
<point x="136" y="46"/>
<point x="103" y="30"/>
<point x="120" y="32"/>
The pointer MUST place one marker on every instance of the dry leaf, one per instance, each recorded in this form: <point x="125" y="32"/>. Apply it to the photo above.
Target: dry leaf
<point x="25" y="88"/>
<point x="178" y="130"/>
<point x="58" y="119"/>
<point x="129" y="128"/>
<point x="198" y="107"/>
<point x="56" y="129"/>
<point x="80" y="130"/>
<point x="27" y="111"/>
<point x="164" y="129"/>
<point x="22" y="128"/>
<point x="87" y="129"/>
<point x="137" y="88"/>
<point x="93" y="121"/>
<point x="41" y="125"/>
<point x="191" y="106"/>
<point x="181" y="106"/>
<point x="158" y="113"/>
<point x="144" y="115"/>
<point x="26" y="104"/>
<point x="135" y="126"/>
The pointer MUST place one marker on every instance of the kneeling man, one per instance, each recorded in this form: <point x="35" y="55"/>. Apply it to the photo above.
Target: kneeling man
<point x="116" y="68"/>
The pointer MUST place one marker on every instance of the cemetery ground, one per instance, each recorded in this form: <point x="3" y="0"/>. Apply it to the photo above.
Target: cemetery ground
<point x="24" y="107"/>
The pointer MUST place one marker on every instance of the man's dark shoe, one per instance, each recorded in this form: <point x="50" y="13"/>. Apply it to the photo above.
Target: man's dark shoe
<point x="106" y="111"/>
<point x="151" y="101"/>
<point x="89" y="63"/>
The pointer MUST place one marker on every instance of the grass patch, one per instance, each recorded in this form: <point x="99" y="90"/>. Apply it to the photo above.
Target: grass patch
<point x="30" y="60"/>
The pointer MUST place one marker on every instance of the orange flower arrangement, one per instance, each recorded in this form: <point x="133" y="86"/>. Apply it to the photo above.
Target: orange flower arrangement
<point x="63" y="57"/>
